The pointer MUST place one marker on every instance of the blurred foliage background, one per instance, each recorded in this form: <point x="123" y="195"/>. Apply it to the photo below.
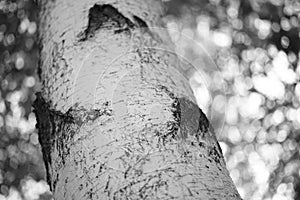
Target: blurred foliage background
<point x="245" y="76"/>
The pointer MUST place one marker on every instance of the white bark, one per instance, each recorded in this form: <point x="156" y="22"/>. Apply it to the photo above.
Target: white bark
<point x="116" y="117"/>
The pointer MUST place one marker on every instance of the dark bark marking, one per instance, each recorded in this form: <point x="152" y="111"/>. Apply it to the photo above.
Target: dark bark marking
<point x="187" y="116"/>
<point x="49" y="123"/>
<point x="203" y="122"/>
<point x="140" y="23"/>
<point x="105" y="16"/>
<point x="55" y="127"/>
<point x="189" y="119"/>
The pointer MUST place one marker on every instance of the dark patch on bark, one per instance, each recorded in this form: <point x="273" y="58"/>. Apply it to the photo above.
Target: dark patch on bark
<point x="194" y="121"/>
<point x="188" y="117"/>
<point x="45" y="131"/>
<point x="140" y="23"/>
<point x="105" y="16"/>
<point x="203" y="125"/>
<point x="190" y="121"/>
<point x="57" y="129"/>
<point x="49" y="123"/>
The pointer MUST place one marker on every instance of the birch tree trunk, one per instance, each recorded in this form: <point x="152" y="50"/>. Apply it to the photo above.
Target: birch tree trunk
<point x="116" y="116"/>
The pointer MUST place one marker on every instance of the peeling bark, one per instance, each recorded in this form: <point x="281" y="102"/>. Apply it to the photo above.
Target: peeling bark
<point x="116" y="116"/>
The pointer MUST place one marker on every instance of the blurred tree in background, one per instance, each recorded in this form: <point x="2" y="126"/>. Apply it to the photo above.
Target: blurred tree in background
<point x="247" y="57"/>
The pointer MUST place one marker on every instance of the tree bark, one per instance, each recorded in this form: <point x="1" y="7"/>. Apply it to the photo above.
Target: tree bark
<point x="116" y="116"/>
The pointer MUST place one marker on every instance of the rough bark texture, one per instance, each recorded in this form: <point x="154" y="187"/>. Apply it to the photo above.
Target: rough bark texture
<point x="116" y="117"/>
